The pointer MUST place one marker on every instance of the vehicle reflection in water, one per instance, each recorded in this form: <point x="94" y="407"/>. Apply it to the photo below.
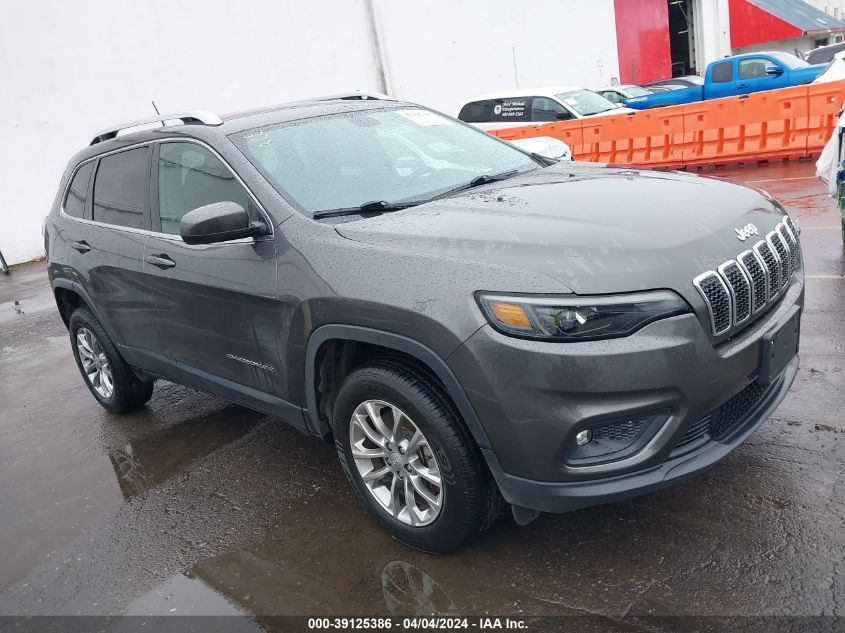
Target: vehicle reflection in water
<point x="409" y="591"/>
<point x="142" y="462"/>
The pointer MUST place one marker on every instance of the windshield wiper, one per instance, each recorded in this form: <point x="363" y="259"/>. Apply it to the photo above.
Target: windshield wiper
<point x="383" y="206"/>
<point x="376" y="206"/>
<point x="483" y="179"/>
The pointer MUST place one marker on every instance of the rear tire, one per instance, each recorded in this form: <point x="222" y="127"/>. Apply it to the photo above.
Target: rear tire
<point x="440" y="517"/>
<point x="109" y="378"/>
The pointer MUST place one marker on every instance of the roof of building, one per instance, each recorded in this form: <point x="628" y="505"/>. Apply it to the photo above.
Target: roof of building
<point x="759" y="21"/>
<point x="800" y="14"/>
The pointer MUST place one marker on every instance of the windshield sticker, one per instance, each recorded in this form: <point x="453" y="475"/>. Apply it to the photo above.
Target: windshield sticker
<point x="570" y="101"/>
<point x="424" y="117"/>
<point x="258" y="138"/>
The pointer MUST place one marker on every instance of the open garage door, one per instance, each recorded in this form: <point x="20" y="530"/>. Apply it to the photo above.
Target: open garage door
<point x="681" y="37"/>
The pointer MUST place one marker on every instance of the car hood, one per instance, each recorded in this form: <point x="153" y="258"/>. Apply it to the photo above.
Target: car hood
<point x="808" y="73"/>
<point x="593" y="228"/>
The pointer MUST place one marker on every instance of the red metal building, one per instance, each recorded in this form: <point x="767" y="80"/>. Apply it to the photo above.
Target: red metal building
<point x="642" y="35"/>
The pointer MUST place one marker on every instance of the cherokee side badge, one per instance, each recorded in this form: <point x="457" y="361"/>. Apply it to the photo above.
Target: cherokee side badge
<point x="252" y="363"/>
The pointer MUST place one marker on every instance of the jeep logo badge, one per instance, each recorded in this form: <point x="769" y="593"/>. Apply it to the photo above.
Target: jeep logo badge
<point x="743" y="233"/>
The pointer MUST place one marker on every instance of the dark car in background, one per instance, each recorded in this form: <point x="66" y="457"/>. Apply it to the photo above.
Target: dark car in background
<point x="684" y="81"/>
<point x="823" y="54"/>
<point x="468" y="324"/>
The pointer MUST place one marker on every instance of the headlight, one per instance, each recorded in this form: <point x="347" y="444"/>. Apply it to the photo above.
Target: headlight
<point x="576" y="318"/>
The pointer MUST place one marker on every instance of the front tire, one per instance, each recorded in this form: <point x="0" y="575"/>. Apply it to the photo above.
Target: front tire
<point x="410" y="460"/>
<point x="109" y="378"/>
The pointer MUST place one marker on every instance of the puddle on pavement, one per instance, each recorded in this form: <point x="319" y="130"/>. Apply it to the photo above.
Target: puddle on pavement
<point x="182" y="594"/>
<point x="314" y="563"/>
<point x="326" y="556"/>
<point x="145" y="462"/>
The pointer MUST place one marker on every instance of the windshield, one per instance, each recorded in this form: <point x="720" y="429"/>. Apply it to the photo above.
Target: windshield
<point x="586" y="102"/>
<point x="788" y="60"/>
<point x="636" y="91"/>
<point x="392" y="155"/>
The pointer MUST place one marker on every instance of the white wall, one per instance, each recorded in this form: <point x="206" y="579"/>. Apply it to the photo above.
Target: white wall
<point x="69" y="69"/>
<point x="452" y="50"/>
<point x="711" y="31"/>
<point x="836" y="8"/>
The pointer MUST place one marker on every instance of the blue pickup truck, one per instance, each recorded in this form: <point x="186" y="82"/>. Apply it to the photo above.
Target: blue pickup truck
<point x="737" y="75"/>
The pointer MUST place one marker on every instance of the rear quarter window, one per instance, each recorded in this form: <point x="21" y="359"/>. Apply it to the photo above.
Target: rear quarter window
<point x="120" y="188"/>
<point x="477" y="112"/>
<point x="77" y="193"/>
<point x="497" y="110"/>
<point x="722" y="73"/>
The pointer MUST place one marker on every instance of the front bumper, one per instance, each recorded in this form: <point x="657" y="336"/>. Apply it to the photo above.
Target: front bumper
<point x="533" y="397"/>
<point x="567" y="496"/>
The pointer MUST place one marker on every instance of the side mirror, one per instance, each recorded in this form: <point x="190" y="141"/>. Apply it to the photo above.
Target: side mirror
<point x="545" y="147"/>
<point x="774" y="70"/>
<point x="563" y="116"/>
<point x="218" y="222"/>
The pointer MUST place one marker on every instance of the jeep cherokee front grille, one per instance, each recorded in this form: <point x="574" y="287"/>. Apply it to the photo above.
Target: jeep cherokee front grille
<point x="745" y="286"/>
<point x="757" y="274"/>
<point x="712" y="287"/>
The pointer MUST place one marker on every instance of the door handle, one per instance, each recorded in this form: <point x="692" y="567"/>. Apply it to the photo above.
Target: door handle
<point x="742" y="85"/>
<point x="82" y="247"/>
<point x="162" y="261"/>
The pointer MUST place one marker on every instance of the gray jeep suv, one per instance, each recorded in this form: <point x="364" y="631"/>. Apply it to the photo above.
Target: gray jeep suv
<point x="469" y="324"/>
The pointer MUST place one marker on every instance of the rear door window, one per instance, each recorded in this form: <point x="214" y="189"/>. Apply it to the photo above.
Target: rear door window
<point x="77" y="193"/>
<point x="497" y="110"/>
<point x="120" y="189"/>
<point x="722" y="73"/>
<point x="512" y="109"/>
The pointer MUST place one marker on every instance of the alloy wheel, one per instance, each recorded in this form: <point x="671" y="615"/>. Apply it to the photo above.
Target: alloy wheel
<point x="396" y="463"/>
<point x="95" y="364"/>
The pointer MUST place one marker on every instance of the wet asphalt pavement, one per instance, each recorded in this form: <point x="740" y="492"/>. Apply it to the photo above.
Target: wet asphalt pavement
<point x="196" y="506"/>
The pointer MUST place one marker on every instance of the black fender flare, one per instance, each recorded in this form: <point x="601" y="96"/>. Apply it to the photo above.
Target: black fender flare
<point x="422" y="353"/>
<point x="77" y="289"/>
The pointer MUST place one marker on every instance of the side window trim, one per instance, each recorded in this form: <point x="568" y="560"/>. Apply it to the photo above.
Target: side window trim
<point x="152" y="190"/>
<point x="176" y="139"/>
<point x="88" y="212"/>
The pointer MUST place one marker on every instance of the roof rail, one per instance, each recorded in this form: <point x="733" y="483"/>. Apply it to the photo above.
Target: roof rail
<point x="355" y="95"/>
<point x="196" y="117"/>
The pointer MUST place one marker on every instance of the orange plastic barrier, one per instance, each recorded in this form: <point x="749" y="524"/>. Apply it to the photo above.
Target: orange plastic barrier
<point x="824" y="102"/>
<point x="567" y="131"/>
<point x="648" y="137"/>
<point x="780" y="124"/>
<point x="770" y="125"/>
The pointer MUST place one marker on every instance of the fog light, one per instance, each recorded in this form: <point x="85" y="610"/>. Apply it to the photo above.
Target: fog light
<point x="612" y="440"/>
<point x="583" y="437"/>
